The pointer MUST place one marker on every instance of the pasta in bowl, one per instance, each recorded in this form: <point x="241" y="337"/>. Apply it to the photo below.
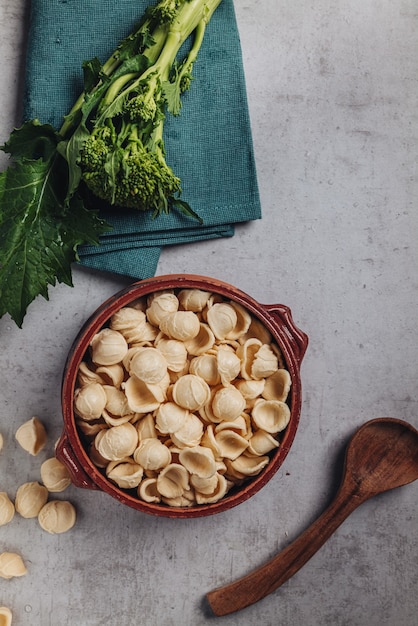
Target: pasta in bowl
<point x="181" y="396"/>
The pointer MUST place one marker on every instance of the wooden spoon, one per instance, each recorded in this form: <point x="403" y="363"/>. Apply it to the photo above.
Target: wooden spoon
<point x="382" y="455"/>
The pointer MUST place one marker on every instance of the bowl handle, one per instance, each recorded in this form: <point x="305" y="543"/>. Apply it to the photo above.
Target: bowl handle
<point x="64" y="453"/>
<point x="297" y="338"/>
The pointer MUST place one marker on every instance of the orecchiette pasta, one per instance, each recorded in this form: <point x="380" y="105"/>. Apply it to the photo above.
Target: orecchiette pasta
<point x="32" y="436"/>
<point x="173" y="481"/>
<point x="160" y="305"/>
<point x="222" y="318"/>
<point x="191" y="392"/>
<point x="277" y="386"/>
<point x="152" y="454"/>
<point x="126" y="473"/>
<point x="11" y="565"/>
<point x="90" y="401"/>
<point x="5" y="616"/>
<point x="193" y="299"/>
<point x="206" y="367"/>
<point x="190" y="434"/>
<point x="174" y="352"/>
<point x="198" y="461"/>
<point x="149" y="365"/>
<point x="170" y="417"/>
<point x="182" y="325"/>
<point x="55" y="475"/>
<point x="201" y="343"/>
<point x="133" y="325"/>
<point x="57" y="516"/>
<point x="181" y="397"/>
<point x="228" y="403"/>
<point x="30" y="498"/>
<point x="108" y="347"/>
<point x="271" y="415"/>
<point x="7" y="509"/>
<point x="218" y="492"/>
<point x="117" y="442"/>
<point x="228" y="364"/>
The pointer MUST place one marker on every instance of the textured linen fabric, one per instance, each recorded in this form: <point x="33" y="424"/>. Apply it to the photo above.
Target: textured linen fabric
<point x="209" y="146"/>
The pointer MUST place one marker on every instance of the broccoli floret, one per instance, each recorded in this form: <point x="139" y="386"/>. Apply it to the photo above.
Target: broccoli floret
<point x="118" y="168"/>
<point x="141" y="108"/>
<point x="145" y="103"/>
<point x="166" y="10"/>
<point x="96" y="148"/>
<point x="146" y="182"/>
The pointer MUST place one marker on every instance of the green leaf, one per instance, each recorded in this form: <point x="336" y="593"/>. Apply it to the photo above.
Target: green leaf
<point x="114" y="162"/>
<point x="179" y="82"/>
<point x="33" y="140"/>
<point x="172" y="96"/>
<point x="140" y="39"/>
<point x="92" y="74"/>
<point x="185" y="208"/>
<point x="38" y="237"/>
<point x="70" y="150"/>
<point x="136" y="64"/>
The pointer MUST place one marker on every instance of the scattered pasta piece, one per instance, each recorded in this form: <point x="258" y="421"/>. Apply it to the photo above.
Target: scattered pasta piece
<point x="31" y="436"/>
<point x="1" y="445"/>
<point x="55" y="475"/>
<point x="30" y="498"/>
<point x="7" y="509"/>
<point x="5" y="616"/>
<point x="11" y="565"/>
<point x="57" y="516"/>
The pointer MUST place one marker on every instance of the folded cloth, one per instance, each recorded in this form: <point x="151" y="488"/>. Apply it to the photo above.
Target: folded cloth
<point x="209" y="146"/>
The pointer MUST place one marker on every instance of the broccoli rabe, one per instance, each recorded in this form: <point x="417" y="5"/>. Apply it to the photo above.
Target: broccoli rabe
<point x="110" y="146"/>
<point x="117" y="148"/>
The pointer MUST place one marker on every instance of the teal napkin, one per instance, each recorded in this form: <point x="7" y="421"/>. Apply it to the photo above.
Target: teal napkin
<point x="209" y="146"/>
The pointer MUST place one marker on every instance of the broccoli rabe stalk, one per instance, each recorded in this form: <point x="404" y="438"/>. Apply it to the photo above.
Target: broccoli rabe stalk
<point x="110" y="146"/>
<point x="116" y="139"/>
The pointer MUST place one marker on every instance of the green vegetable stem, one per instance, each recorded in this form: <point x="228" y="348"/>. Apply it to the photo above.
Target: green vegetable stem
<point x="110" y="146"/>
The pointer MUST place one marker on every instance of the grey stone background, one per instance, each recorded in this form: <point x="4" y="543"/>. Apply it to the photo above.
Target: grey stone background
<point x="332" y="89"/>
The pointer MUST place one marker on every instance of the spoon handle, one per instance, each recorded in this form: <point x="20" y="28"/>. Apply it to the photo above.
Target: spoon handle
<point x="268" y="577"/>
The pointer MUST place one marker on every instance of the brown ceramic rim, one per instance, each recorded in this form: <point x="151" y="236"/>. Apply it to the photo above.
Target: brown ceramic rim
<point x="276" y="318"/>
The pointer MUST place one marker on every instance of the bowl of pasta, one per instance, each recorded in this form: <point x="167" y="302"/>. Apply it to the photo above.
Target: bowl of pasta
<point x="181" y="396"/>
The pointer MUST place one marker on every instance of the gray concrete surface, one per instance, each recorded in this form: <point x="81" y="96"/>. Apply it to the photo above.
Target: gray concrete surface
<point x="332" y="90"/>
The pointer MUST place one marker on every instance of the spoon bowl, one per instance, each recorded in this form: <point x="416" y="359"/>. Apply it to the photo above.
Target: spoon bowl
<point x="382" y="455"/>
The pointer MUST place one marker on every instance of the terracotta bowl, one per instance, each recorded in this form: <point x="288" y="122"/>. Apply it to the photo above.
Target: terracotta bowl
<point x="276" y="318"/>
